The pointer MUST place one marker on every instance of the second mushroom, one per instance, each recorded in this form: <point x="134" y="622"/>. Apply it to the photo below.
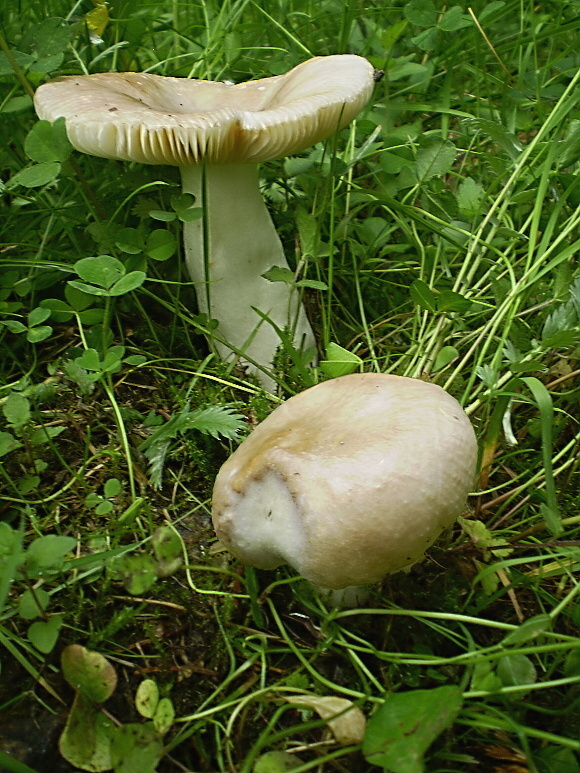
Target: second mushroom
<point x="347" y="481"/>
<point x="218" y="133"/>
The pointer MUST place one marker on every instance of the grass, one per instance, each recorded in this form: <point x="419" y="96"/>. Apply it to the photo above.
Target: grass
<point x="444" y="222"/>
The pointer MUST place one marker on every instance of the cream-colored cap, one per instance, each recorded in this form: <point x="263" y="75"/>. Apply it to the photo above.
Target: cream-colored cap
<point x="347" y="481"/>
<point x="158" y="120"/>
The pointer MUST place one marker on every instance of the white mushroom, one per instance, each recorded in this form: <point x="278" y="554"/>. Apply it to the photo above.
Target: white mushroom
<point x="218" y="133"/>
<point x="348" y="481"/>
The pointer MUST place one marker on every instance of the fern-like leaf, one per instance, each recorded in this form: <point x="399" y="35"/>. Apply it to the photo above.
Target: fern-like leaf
<point x="157" y="454"/>
<point x="562" y="327"/>
<point x="216" y="420"/>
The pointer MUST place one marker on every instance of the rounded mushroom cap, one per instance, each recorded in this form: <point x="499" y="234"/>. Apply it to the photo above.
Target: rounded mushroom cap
<point x="159" y="120"/>
<point x="347" y="481"/>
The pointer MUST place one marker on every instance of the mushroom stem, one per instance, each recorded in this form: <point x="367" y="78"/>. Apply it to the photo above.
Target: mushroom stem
<point x="242" y="244"/>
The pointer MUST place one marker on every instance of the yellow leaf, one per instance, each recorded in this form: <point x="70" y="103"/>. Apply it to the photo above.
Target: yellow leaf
<point x="350" y="724"/>
<point x="97" y="20"/>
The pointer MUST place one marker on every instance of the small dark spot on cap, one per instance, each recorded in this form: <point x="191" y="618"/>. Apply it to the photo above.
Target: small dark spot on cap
<point x="113" y="109"/>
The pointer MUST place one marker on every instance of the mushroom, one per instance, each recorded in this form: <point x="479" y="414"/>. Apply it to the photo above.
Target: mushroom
<point x="347" y="481"/>
<point x="218" y="133"/>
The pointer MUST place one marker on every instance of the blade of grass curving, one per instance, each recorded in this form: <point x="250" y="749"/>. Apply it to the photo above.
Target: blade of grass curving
<point x="543" y="400"/>
<point x="10" y="765"/>
<point x="483" y="721"/>
<point x="339" y="689"/>
<point x="5" y="640"/>
<point x="284" y="30"/>
<point x="497" y="213"/>
<point x="492" y="434"/>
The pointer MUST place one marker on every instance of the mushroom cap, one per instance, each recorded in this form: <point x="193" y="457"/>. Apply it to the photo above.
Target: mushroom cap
<point x="159" y="120"/>
<point x="348" y="481"/>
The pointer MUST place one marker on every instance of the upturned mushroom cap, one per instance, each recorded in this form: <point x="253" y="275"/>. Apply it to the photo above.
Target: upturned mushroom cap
<point x="347" y="481"/>
<point x="159" y="120"/>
